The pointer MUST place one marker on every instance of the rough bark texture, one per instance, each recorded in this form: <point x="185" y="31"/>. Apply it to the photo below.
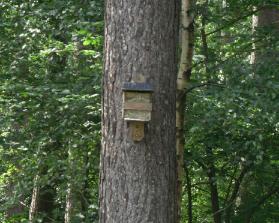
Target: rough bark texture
<point x="185" y="65"/>
<point x="138" y="179"/>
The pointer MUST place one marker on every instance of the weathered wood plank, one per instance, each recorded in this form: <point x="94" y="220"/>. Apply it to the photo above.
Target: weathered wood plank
<point x="138" y="106"/>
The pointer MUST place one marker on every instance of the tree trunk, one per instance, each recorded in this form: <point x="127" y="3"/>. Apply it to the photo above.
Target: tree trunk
<point x="268" y="19"/>
<point x="184" y="73"/>
<point x="138" y="180"/>
<point x="42" y="202"/>
<point x="213" y="187"/>
<point x="69" y="207"/>
<point x="85" y="189"/>
<point x="189" y="195"/>
<point x="34" y="201"/>
<point x="238" y="188"/>
<point x="264" y="24"/>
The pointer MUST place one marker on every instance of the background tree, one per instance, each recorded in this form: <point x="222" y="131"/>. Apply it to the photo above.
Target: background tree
<point x="231" y="110"/>
<point x="186" y="45"/>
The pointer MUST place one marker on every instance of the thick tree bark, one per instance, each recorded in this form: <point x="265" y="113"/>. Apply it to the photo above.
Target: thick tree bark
<point x="184" y="73"/>
<point x="138" y="179"/>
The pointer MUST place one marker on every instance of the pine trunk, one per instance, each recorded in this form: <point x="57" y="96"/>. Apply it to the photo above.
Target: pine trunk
<point x="138" y="180"/>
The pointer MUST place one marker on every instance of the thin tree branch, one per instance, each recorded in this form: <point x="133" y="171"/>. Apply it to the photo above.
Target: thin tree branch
<point x="204" y="84"/>
<point x="272" y="190"/>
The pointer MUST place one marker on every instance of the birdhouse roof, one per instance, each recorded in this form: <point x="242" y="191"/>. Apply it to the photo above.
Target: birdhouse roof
<point x="144" y="87"/>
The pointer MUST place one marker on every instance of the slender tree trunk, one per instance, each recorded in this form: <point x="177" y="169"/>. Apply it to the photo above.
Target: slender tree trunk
<point x="69" y="206"/>
<point x="189" y="195"/>
<point x="235" y="193"/>
<point x="213" y="187"/>
<point x="184" y="72"/>
<point x="43" y="199"/>
<point x="33" y="210"/>
<point x="77" y="194"/>
<point x="138" y="181"/>
<point x="69" y="209"/>
<point x="85" y="189"/>
<point x="254" y="26"/>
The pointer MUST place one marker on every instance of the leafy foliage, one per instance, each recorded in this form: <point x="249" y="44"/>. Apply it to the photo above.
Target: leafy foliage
<point x="232" y="118"/>
<point x="50" y="72"/>
<point x="51" y="56"/>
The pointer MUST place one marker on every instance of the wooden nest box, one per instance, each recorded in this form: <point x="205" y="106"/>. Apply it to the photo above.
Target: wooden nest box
<point x="137" y="107"/>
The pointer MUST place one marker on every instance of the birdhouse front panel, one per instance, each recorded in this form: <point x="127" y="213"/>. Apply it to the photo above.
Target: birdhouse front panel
<point x="137" y="106"/>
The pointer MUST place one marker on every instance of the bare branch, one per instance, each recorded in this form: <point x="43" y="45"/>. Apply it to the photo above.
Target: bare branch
<point x="203" y="85"/>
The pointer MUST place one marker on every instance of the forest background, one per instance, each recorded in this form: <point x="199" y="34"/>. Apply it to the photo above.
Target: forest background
<point x="51" y="56"/>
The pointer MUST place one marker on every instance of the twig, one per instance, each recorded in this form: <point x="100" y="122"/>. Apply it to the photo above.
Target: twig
<point x="204" y="84"/>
